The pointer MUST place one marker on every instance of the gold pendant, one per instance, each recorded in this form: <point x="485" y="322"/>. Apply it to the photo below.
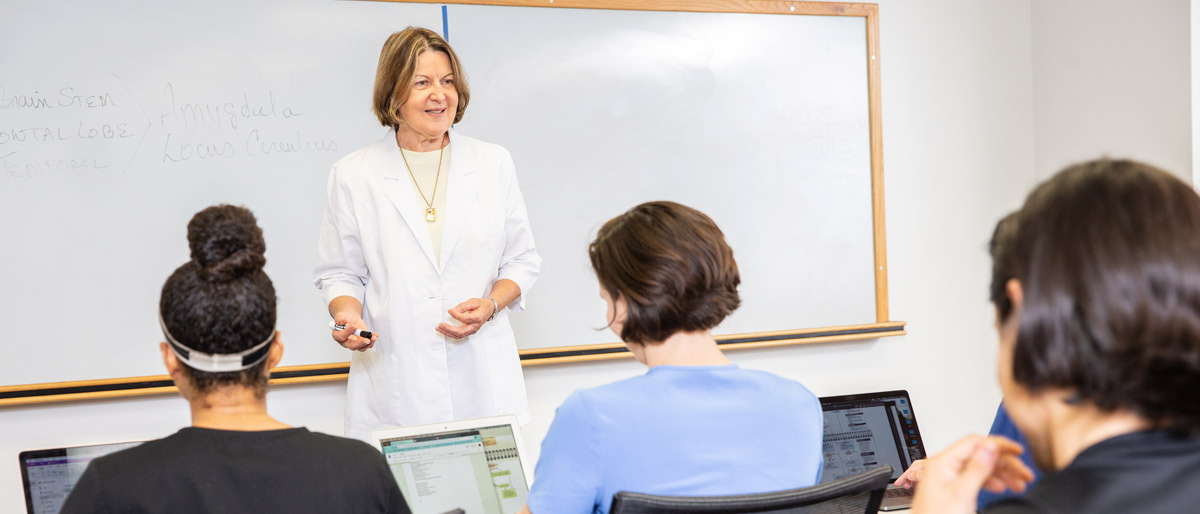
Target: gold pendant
<point x="430" y="215"/>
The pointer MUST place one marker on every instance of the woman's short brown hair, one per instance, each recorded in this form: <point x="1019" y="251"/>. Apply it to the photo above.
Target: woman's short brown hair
<point x="1108" y="256"/>
<point x="671" y="265"/>
<point x="398" y="64"/>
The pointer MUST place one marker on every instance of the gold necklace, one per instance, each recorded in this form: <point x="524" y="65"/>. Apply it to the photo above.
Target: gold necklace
<point x="430" y="213"/>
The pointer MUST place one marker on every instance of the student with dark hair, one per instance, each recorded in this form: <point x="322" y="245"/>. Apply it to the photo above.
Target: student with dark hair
<point x="694" y="424"/>
<point x="217" y="313"/>
<point x="1099" y="355"/>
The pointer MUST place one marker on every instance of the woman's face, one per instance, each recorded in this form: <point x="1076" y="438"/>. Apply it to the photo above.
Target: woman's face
<point x="615" y="314"/>
<point x="1006" y="329"/>
<point x="432" y="98"/>
<point x="1028" y="411"/>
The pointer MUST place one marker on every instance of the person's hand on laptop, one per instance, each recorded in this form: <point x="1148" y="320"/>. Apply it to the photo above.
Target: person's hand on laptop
<point x="951" y="480"/>
<point x="912" y="475"/>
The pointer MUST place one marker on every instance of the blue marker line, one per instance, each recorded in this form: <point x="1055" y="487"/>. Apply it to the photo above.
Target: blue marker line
<point x="446" y="29"/>
<point x="445" y="25"/>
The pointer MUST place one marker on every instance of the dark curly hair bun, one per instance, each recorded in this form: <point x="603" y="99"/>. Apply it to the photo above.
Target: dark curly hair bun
<point x="226" y="243"/>
<point x="221" y="301"/>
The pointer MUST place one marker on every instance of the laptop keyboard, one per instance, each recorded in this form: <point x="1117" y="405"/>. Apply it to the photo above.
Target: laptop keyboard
<point x="898" y="492"/>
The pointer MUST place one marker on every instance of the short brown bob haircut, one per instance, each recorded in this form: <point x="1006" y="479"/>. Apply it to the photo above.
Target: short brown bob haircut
<point x="398" y="65"/>
<point x="672" y="266"/>
<point x="1108" y="256"/>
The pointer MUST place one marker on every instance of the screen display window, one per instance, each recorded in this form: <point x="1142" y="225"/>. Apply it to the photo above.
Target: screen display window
<point x="476" y="470"/>
<point x="49" y="475"/>
<point x="862" y="435"/>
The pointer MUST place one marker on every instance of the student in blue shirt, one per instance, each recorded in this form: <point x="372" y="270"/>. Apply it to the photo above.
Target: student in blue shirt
<point x="695" y="424"/>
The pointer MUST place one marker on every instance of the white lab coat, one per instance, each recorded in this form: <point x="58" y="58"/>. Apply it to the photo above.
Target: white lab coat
<point x="374" y="246"/>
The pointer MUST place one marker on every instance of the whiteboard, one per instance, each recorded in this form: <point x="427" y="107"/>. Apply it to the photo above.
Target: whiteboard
<point x="759" y="121"/>
<point x="119" y="120"/>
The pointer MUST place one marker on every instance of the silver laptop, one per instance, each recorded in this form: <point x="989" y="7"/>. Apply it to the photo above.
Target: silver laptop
<point x="49" y="475"/>
<point x="864" y="431"/>
<point x="473" y="467"/>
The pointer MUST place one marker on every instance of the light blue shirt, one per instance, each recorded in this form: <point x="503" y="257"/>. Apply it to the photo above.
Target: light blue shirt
<point x="679" y="430"/>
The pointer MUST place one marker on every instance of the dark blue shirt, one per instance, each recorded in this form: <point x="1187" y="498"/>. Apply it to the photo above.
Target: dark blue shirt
<point x="1003" y="426"/>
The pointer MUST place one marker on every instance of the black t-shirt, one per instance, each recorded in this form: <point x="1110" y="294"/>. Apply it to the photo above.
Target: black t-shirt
<point x="199" y="470"/>
<point x="1151" y="472"/>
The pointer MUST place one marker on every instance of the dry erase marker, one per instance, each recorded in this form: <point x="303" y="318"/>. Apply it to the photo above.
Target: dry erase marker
<point x="360" y="333"/>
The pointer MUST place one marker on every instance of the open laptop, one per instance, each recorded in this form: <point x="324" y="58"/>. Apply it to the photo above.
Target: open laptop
<point x="49" y="475"/>
<point x="474" y="465"/>
<point x="864" y="431"/>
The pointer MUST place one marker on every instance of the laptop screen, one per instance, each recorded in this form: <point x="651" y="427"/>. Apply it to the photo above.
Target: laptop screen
<point x="477" y="470"/>
<point x="864" y="431"/>
<point x="49" y="475"/>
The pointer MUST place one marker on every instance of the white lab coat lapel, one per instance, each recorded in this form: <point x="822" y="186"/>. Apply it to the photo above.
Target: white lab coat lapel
<point x="399" y="190"/>
<point x="462" y="187"/>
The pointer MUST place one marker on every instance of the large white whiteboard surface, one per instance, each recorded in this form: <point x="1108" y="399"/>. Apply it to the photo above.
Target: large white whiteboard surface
<point x="119" y="120"/>
<point x="760" y="121"/>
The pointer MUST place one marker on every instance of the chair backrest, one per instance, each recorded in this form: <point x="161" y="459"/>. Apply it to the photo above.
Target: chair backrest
<point x="860" y="493"/>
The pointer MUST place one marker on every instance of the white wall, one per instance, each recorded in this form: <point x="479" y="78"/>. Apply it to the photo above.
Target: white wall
<point x="1112" y="77"/>
<point x="958" y="153"/>
<point x="1195" y="76"/>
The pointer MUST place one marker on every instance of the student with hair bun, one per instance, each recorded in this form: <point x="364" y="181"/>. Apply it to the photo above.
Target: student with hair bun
<point x="695" y="424"/>
<point x="217" y="313"/>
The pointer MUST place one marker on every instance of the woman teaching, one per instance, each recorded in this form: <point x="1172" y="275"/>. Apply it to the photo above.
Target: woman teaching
<point x="425" y="242"/>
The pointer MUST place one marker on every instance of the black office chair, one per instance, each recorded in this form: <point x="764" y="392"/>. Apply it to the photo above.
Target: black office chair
<point x="856" y="494"/>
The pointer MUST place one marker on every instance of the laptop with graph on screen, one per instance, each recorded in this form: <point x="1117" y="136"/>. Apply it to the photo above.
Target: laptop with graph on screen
<point x="864" y="431"/>
<point x="475" y="465"/>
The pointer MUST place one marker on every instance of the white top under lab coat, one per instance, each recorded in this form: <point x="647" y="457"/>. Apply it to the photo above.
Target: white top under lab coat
<point x="374" y="246"/>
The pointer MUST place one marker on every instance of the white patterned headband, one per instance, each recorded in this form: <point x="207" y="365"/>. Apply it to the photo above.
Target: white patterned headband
<point x="217" y="362"/>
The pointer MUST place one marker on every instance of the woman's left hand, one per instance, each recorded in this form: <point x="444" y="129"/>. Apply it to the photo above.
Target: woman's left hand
<point x="472" y="314"/>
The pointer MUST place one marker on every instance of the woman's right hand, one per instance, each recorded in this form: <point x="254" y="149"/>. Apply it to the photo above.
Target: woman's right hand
<point x="912" y="475"/>
<point x="951" y="480"/>
<point x="353" y="322"/>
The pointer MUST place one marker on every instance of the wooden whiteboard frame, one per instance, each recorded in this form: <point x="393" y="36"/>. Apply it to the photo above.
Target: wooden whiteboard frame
<point x="883" y="327"/>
